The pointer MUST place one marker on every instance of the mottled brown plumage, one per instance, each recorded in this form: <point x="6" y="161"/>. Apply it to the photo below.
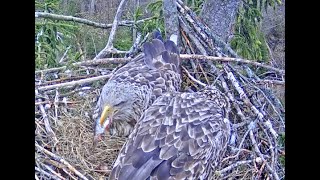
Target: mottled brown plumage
<point x="179" y="137"/>
<point x="135" y="86"/>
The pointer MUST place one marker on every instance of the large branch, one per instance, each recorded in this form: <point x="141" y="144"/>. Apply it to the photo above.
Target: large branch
<point x="182" y="56"/>
<point x="109" y="47"/>
<point x="228" y="59"/>
<point x="88" y="63"/>
<point x="73" y="83"/>
<point x="86" y="21"/>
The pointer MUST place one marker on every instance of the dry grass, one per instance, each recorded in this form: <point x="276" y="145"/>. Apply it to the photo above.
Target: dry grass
<point x="73" y="129"/>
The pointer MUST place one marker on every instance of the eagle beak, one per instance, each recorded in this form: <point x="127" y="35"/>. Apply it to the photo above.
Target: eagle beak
<point x="105" y="113"/>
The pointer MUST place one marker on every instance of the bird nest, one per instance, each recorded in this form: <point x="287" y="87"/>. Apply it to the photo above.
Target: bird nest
<point x="64" y="130"/>
<point x="65" y="98"/>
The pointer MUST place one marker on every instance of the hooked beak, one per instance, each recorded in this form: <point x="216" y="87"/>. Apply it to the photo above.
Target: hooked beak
<point x="102" y="124"/>
<point x="105" y="113"/>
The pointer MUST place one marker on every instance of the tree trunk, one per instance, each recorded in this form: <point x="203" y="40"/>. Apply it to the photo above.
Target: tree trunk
<point x="92" y="7"/>
<point x="171" y="20"/>
<point x="220" y="16"/>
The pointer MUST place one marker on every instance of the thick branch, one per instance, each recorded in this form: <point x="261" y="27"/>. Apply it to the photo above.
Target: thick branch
<point x="182" y="56"/>
<point x="109" y="47"/>
<point x="228" y="59"/>
<point x="86" y="21"/>
<point x="73" y="83"/>
<point x="89" y="63"/>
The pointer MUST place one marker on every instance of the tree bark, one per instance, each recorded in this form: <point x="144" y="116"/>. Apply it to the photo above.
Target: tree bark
<point x="220" y="16"/>
<point x="171" y="20"/>
<point x="92" y="7"/>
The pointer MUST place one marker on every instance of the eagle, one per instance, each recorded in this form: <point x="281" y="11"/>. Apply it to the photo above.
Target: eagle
<point x="182" y="135"/>
<point x="136" y="85"/>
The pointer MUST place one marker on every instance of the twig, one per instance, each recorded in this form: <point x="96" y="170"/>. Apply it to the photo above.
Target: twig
<point x="271" y="82"/>
<point x="247" y="101"/>
<point x="239" y="148"/>
<point x="57" y="158"/>
<point x="228" y="59"/>
<point x="67" y="172"/>
<point x="46" y="173"/>
<point x="197" y="43"/>
<point x="194" y="39"/>
<point x="87" y="22"/>
<point x="73" y="83"/>
<point x="53" y="172"/>
<point x="190" y="15"/>
<point x="260" y="171"/>
<point x="272" y="106"/>
<point x="109" y="47"/>
<point x="64" y="54"/>
<point x="185" y="41"/>
<point x="271" y="147"/>
<point x="55" y="81"/>
<point x="233" y="166"/>
<point x="56" y="99"/>
<point x="256" y="148"/>
<point x="192" y="78"/>
<point x="50" y="70"/>
<point x="46" y="123"/>
<point x="58" y="102"/>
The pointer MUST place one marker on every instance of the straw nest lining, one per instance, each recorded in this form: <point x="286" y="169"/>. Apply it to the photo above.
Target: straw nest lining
<point x="73" y="129"/>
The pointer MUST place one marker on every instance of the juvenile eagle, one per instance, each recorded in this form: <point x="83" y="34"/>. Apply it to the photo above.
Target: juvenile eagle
<point x="179" y="137"/>
<point x="135" y="86"/>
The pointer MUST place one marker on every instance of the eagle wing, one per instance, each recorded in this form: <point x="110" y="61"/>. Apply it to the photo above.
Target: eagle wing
<point x="177" y="138"/>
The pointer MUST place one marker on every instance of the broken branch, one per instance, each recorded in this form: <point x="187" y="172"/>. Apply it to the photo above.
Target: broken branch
<point x="86" y="21"/>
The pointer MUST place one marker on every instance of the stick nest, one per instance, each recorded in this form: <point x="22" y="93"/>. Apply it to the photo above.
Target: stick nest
<point x="64" y="129"/>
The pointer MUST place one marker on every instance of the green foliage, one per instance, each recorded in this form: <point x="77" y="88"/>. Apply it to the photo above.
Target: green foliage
<point x="123" y="39"/>
<point x="281" y="142"/>
<point x="195" y="5"/>
<point x="155" y="8"/>
<point x="53" y="38"/>
<point x="248" y="40"/>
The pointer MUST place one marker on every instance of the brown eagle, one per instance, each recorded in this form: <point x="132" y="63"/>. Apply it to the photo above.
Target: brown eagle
<point x="181" y="136"/>
<point x="135" y="86"/>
